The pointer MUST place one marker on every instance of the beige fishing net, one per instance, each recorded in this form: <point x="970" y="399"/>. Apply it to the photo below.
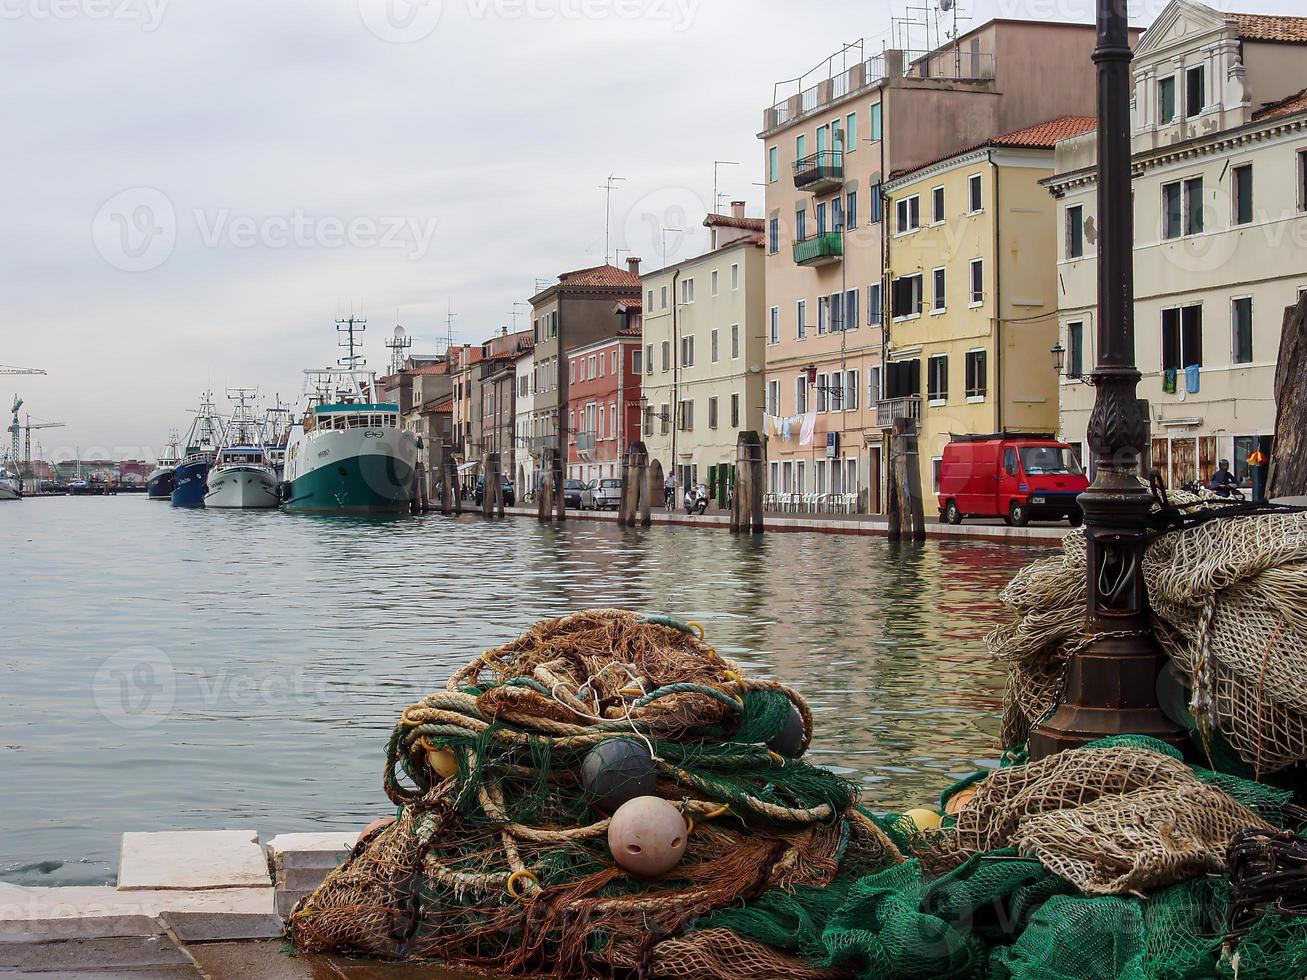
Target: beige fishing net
<point x="1229" y="600"/>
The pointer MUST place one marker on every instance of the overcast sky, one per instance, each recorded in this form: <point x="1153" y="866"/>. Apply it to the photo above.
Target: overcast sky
<point x="193" y="190"/>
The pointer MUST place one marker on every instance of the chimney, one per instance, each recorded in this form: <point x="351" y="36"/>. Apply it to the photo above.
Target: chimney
<point x="633" y="264"/>
<point x="737" y="209"/>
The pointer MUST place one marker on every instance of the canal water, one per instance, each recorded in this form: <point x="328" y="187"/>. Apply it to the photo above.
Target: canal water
<point x="175" y="669"/>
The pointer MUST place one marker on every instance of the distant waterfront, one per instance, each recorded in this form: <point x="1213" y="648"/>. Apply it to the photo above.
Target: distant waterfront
<point x="204" y="670"/>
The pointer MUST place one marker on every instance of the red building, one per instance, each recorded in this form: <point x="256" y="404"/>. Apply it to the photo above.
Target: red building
<point x="603" y="388"/>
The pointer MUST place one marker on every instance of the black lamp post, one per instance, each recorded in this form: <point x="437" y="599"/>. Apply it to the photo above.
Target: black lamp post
<point x="1111" y="679"/>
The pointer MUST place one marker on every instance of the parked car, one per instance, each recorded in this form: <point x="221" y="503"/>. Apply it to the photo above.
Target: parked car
<point x="510" y="497"/>
<point x="607" y="494"/>
<point x="578" y="494"/>
<point x="1017" y="477"/>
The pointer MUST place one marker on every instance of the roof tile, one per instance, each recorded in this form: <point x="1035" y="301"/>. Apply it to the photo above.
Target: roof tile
<point x="1285" y="107"/>
<point x="601" y="275"/>
<point x="1270" y="27"/>
<point x="730" y="221"/>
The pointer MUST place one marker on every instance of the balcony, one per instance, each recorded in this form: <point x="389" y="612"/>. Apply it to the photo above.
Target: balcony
<point x="585" y="442"/>
<point x="821" y="250"/>
<point x="535" y="445"/>
<point x="889" y="409"/>
<point x="820" y="173"/>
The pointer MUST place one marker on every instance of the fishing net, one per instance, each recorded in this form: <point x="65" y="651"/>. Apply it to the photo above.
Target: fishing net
<point x="1229" y="603"/>
<point x="1102" y="862"/>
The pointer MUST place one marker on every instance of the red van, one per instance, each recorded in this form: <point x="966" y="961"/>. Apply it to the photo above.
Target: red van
<point x="1018" y="477"/>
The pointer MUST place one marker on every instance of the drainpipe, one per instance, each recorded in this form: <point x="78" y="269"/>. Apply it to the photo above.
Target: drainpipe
<point x="676" y="376"/>
<point x="998" y="310"/>
<point x="886" y="300"/>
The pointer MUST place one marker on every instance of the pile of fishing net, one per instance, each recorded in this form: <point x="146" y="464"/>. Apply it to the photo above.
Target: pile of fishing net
<point x="1102" y="862"/>
<point x="1229" y="604"/>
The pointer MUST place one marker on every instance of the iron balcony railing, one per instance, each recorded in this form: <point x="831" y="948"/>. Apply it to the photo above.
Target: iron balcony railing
<point x="820" y="172"/>
<point x="585" y="442"/>
<point x="954" y="63"/>
<point x="820" y="250"/>
<point x="889" y="409"/>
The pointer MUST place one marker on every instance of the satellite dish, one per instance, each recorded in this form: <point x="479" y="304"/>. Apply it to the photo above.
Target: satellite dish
<point x="399" y="333"/>
<point x="946" y="5"/>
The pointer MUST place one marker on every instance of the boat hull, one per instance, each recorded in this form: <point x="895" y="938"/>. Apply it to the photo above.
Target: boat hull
<point x="8" y="491"/>
<point x="161" y="483"/>
<point x="241" y="488"/>
<point x="188" y="486"/>
<point x="351" y="471"/>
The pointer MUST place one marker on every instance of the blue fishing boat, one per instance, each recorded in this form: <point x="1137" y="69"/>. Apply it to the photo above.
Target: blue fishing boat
<point x="159" y="485"/>
<point x="201" y="449"/>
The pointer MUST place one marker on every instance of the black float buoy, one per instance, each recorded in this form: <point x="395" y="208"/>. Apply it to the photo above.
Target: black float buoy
<point x="789" y="740"/>
<point x="615" y="771"/>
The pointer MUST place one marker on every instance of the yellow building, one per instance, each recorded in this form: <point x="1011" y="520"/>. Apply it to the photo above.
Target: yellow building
<point x="971" y="264"/>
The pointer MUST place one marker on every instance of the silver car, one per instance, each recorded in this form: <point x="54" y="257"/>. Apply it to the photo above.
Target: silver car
<point x="607" y="494"/>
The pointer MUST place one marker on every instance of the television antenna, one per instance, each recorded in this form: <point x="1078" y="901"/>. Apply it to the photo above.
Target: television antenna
<point x="349" y="326"/>
<point x="608" y="211"/>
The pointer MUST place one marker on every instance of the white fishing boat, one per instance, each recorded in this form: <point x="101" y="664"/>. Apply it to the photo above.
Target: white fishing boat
<point x="348" y="452"/>
<point x="241" y="477"/>
<point x="11" y="488"/>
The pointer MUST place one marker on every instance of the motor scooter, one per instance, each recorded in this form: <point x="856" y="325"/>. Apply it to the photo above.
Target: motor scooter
<point x="696" y="498"/>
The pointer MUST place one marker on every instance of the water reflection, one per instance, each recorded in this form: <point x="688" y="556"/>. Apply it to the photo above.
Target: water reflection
<point x="289" y="645"/>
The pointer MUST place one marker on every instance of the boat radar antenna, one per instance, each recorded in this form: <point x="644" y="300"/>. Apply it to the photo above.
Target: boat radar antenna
<point x="398" y="344"/>
<point x="241" y="429"/>
<point x="349" y="326"/>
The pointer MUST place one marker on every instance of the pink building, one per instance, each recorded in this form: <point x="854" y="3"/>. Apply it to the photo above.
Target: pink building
<point x="603" y="390"/>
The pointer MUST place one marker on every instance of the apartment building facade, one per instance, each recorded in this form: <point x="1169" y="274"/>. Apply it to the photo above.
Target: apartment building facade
<point x="1220" y="218"/>
<point x="973" y="292"/>
<point x="497" y="394"/>
<point x="603" y="404"/>
<point x="526" y="460"/>
<point x="464" y="365"/>
<point x="576" y="311"/>
<point x="829" y="149"/>
<point x="704" y="340"/>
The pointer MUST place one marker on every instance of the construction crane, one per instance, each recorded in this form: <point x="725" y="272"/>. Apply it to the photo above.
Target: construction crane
<point x="28" y="426"/>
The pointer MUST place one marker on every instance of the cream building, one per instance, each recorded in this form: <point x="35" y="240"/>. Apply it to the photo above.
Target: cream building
<point x="704" y="329"/>
<point x="1220" y="216"/>
<point x="829" y="147"/>
<point x="973" y="292"/>
<point x="526" y="428"/>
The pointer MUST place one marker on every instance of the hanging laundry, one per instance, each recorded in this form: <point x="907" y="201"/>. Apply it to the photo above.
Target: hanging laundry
<point x="1168" y="381"/>
<point x="785" y="427"/>
<point x="1191" y="379"/>
<point x="807" y="429"/>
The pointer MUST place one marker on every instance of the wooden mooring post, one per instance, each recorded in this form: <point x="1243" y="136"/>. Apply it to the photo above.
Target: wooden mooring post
<point x="1289" y="452"/>
<point x="750" y="479"/>
<point x="492" y="499"/>
<point x="906" y="514"/>
<point x="635" y="485"/>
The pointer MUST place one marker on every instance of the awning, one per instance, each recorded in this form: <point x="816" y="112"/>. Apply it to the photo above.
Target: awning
<point x="468" y="466"/>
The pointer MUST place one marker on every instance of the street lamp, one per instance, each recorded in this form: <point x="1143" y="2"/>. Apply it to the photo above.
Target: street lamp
<point x="1059" y="357"/>
<point x="1110" y="685"/>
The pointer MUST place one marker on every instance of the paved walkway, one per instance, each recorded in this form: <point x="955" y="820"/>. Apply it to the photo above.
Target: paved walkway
<point x="856" y="524"/>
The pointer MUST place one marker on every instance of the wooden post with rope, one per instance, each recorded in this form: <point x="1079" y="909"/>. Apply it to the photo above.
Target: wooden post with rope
<point x="750" y="464"/>
<point x="635" y="484"/>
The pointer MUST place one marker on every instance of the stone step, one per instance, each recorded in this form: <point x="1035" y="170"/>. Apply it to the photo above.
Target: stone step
<point x="290" y="852"/>
<point x="192" y="860"/>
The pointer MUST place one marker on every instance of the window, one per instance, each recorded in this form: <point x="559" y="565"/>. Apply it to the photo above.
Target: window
<point x="850" y="391"/>
<point x="663" y="296"/>
<point x="773" y="397"/>
<point x="1172" y="211"/>
<point x="685" y="415"/>
<point x="800" y="146"/>
<point x="1166" y="100"/>
<point x="1302" y="180"/>
<point x="823" y="138"/>
<point x="648" y="359"/>
<point x="713" y="280"/>
<point x="774" y="336"/>
<point x="851" y="128"/>
<point x="837" y="213"/>
<point x="801" y="318"/>
<point x="1193" y="206"/>
<point x="873" y="385"/>
<point x="687" y="291"/>
<point x="874" y="311"/>
<point x="937" y="296"/>
<point x="875" y="122"/>
<point x="877" y="203"/>
<point x="1075" y="349"/>
<point x="1242" y="183"/>
<point x="649" y="303"/>
<point x="903" y="378"/>
<point x="851" y="310"/>
<point x="907" y="214"/>
<point x="836" y="312"/>
<point x="712" y="345"/>
<point x="800" y="224"/>
<point x="773" y="164"/>
<point x="1241" y="322"/>
<point x="821" y="218"/>
<point x="977" y="370"/>
<point x="773" y="236"/>
<point x="974" y="200"/>
<point x="1182" y="337"/>
<point x="735" y="411"/>
<point x="712" y="412"/>
<point x="667" y="356"/>
<point x="801" y="393"/>
<point x="1075" y="232"/>
<point x="1195" y="90"/>
<point x="602" y="431"/>
<point x="823" y="390"/>
<point x="664" y="418"/>
<point x="637" y="358"/>
<point x="851" y="209"/>
<point x="735" y="341"/>
<point x="905" y="296"/>
<point x="823" y="315"/>
<point x="596" y="361"/>
<point x="837" y="136"/>
<point x="735" y="276"/>
<point x="687" y="352"/>
<point x="977" y="282"/>
<point x="937" y="205"/>
<point x="615" y="356"/>
<point x="937" y="378"/>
